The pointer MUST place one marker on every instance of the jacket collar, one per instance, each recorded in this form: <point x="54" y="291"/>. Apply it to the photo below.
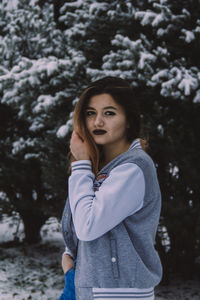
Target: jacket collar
<point x="135" y="144"/>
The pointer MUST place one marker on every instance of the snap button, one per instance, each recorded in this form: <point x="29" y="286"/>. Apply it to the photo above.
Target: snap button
<point x="113" y="259"/>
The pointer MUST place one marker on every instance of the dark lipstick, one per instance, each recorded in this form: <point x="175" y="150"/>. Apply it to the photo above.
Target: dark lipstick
<point x="99" y="131"/>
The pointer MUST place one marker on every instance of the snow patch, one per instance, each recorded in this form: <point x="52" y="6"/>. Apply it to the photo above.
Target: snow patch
<point x="95" y="7"/>
<point x="174" y="170"/>
<point x="160" y="129"/>
<point x="32" y="272"/>
<point x="144" y="57"/>
<point x="75" y="4"/>
<point x="160" y="32"/>
<point x="11" y="227"/>
<point x="65" y="129"/>
<point x="189" y="35"/>
<point x="188" y="83"/>
<point x="31" y="155"/>
<point x="158" y="19"/>
<point x="43" y="103"/>
<point x="21" y="144"/>
<point x="35" y="272"/>
<point x="160" y="74"/>
<point x="11" y="4"/>
<point x="146" y="17"/>
<point x="51" y="67"/>
<point x="197" y="97"/>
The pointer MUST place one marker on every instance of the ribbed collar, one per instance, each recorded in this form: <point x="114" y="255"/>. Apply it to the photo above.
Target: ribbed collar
<point x="135" y="144"/>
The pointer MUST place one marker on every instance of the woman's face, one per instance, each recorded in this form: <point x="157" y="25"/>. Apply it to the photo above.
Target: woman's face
<point x="106" y="120"/>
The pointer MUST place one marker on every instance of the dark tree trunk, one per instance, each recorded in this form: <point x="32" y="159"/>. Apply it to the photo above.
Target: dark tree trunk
<point x="33" y="221"/>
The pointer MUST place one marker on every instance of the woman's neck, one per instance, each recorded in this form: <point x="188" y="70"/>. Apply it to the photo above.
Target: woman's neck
<point x="112" y="151"/>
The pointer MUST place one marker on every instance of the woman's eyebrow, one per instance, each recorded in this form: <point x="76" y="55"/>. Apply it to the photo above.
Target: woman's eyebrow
<point x="110" y="107"/>
<point x="107" y="107"/>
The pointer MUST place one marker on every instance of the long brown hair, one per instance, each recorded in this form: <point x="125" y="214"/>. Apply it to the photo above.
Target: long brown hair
<point x="123" y="94"/>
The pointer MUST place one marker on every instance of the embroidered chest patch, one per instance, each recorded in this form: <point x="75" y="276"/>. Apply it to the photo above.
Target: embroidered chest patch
<point x="98" y="181"/>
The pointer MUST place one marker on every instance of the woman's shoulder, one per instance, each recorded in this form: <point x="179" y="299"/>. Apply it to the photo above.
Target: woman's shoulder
<point x="136" y="156"/>
<point x="130" y="159"/>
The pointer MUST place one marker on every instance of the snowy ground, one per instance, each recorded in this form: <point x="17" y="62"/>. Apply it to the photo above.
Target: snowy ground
<point x="35" y="272"/>
<point x="31" y="272"/>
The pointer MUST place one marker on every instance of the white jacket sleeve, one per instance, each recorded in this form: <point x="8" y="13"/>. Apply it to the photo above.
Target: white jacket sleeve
<point x="67" y="251"/>
<point x="120" y="195"/>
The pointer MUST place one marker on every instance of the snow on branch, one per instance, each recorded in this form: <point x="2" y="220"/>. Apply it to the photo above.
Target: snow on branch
<point x="180" y="84"/>
<point x="197" y="29"/>
<point x="64" y="129"/>
<point x="161" y="1"/>
<point x="96" y="7"/>
<point x="188" y="35"/>
<point x="120" y="40"/>
<point x="161" y="74"/>
<point x="95" y="74"/>
<point x="124" y="10"/>
<point x="32" y="72"/>
<point x="21" y="144"/>
<point x="188" y="83"/>
<point x="197" y="97"/>
<point x="152" y="18"/>
<point x="43" y="103"/>
<point x="68" y="127"/>
<point x="131" y="59"/>
<point x="165" y="10"/>
<point x="145" y="57"/>
<point x="11" y="4"/>
<point x="77" y="29"/>
<point x="75" y="4"/>
<point x="146" y="17"/>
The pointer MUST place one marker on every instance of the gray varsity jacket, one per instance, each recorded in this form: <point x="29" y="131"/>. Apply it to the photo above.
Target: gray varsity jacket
<point x="136" y="263"/>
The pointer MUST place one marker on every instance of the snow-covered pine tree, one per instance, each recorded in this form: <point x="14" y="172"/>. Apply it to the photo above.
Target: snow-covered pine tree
<point x="38" y="73"/>
<point x="176" y="28"/>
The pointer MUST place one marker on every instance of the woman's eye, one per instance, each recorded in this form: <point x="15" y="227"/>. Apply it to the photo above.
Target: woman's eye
<point x="109" y="113"/>
<point x="89" y="113"/>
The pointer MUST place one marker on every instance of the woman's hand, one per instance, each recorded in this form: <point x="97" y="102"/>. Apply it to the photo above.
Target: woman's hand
<point x="78" y="147"/>
<point x="67" y="262"/>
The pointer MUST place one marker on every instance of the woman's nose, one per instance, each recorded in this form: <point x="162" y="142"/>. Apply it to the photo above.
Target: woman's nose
<point x="99" y="120"/>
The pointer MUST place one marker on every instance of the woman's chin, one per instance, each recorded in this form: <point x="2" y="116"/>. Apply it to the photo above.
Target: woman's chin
<point x="99" y="140"/>
<point x="100" y="143"/>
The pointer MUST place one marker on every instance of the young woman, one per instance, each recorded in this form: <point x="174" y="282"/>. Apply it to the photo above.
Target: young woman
<point x="111" y="215"/>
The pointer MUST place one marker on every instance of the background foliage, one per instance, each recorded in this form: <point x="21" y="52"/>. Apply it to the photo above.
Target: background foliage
<point x="50" y="51"/>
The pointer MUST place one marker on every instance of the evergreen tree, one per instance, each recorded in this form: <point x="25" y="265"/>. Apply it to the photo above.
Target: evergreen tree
<point x="35" y="78"/>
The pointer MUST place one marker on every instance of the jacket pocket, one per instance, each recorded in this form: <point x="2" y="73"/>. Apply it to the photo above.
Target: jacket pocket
<point x="114" y="258"/>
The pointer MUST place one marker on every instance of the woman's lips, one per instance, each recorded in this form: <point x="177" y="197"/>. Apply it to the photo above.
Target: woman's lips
<point x="99" y="132"/>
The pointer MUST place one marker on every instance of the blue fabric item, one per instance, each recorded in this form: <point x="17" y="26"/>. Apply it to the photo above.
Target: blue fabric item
<point x="69" y="288"/>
